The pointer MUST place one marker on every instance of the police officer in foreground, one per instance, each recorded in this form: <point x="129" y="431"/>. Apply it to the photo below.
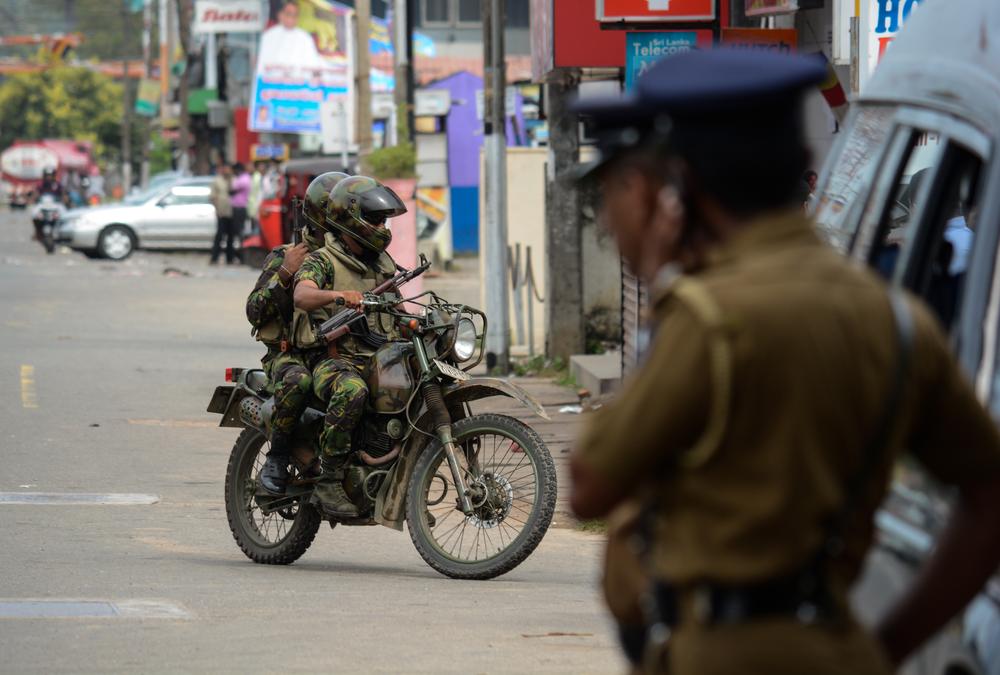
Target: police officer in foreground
<point x="333" y="279"/>
<point x="741" y="467"/>
<point x="270" y="309"/>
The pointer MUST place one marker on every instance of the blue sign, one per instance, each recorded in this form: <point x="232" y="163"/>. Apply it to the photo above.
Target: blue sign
<point x="642" y="50"/>
<point x="291" y="107"/>
<point x="892" y="13"/>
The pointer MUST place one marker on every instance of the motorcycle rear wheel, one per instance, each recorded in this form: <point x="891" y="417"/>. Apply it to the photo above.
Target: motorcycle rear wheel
<point x="276" y="538"/>
<point x="514" y="495"/>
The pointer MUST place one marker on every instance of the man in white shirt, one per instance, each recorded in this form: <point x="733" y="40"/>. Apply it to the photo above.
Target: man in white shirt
<point x="285" y="46"/>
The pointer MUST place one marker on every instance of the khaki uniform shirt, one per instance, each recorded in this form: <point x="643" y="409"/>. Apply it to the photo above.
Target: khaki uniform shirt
<point x="813" y="354"/>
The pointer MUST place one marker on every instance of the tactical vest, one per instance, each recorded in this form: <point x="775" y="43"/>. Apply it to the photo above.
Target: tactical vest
<point x="349" y="274"/>
<point x="274" y="332"/>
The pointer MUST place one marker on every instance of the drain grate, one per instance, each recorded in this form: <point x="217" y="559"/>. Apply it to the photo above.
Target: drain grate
<point x="69" y="499"/>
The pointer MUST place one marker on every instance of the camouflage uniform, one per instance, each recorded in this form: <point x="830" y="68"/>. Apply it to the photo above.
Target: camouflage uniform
<point x="269" y="310"/>
<point x="339" y="380"/>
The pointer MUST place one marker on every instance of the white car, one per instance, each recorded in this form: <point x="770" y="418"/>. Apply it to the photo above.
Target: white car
<point x="175" y="216"/>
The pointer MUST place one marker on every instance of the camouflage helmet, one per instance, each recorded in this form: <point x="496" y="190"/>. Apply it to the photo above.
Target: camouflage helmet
<point x="314" y="208"/>
<point x="317" y="195"/>
<point x="359" y="206"/>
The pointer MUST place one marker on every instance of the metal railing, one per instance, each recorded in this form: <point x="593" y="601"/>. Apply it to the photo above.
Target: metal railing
<point x="524" y="295"/>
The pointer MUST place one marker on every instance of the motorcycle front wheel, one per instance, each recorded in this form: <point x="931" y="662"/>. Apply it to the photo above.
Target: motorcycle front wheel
<point x="266" y="536"/>
<point x="511" y="481"/>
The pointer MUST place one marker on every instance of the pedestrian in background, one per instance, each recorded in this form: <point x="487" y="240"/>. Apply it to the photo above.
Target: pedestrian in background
<point x="240" y="197"/>
<point x="743" y="464"/>
<point x="256" y="194"/>
<point x="221" y="187"/>
<point x="272" y="180"/>
<point x="95" y="191"/>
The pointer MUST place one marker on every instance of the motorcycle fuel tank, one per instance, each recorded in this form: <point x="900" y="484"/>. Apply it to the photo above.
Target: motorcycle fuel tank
<point x="390" y="379"/>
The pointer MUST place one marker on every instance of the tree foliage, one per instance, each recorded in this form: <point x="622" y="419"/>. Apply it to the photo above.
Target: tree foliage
<point x="110" y="31"/>
<point x="67" y="102"/>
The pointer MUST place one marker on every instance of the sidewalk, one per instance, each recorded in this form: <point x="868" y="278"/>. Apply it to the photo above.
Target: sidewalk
<point x="558" y="433"/>
<point x="461" y="284"/>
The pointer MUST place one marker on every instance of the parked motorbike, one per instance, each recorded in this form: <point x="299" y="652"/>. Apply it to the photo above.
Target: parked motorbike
<point x="46" y="216"/>
<point x="477" y="491"/>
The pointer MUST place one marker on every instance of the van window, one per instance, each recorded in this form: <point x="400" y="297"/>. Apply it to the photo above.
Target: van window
<point x="851" y="177"/>
<point x="934" y="248"/>
<point x="910" y="188"/>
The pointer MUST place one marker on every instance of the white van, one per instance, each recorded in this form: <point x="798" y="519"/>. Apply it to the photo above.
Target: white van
<point x="913" y="189"/>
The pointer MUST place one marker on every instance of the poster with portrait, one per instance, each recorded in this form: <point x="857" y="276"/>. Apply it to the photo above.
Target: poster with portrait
<point x="303" y="62"/>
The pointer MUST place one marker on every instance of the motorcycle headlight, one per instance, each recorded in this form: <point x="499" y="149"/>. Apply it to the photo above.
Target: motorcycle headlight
<point x="465" y="341"/>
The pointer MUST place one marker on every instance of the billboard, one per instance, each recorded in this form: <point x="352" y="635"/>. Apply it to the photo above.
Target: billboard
<point x="302" y="63"/>
<point x="615" y="11"/>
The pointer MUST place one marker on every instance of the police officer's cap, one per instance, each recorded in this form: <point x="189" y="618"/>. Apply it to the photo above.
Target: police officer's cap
<point x="716" y="97"/>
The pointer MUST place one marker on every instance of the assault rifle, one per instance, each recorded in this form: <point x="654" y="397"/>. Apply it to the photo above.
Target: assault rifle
<point x="342" y="323"/>
<point x="296" y="225"/>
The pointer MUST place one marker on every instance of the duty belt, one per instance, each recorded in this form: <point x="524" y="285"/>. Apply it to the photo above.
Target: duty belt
<point x="802" y="596"/>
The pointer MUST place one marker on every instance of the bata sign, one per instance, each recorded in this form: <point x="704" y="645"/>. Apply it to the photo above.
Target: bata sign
<point x="228" y="16"/>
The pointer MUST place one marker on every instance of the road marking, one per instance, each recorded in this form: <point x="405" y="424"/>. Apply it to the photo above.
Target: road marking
<point x="91" y="609"/>
<point x="28" y="397"/>
<point x="69" y="499"/>
<point x="175" y="423"/>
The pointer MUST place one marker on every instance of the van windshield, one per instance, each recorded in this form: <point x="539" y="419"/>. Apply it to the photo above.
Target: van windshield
<point x="852" y="175"/>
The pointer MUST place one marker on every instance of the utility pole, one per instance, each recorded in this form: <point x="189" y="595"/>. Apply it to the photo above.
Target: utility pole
<point x="127" y="105"/>
<point x="495" y="133"/>
<point x="563" y="244"/>
<point x="147" y="71"/>
<point x="403" y="53"/>
<point x="363" y="79"/>
<point x="184" y="35"/>
<point x="164" y="20"/>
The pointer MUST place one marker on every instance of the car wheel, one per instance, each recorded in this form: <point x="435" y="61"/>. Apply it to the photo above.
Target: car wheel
<point x="116" y="242"/>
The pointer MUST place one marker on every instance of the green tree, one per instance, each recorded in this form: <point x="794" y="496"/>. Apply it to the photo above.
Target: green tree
<point x="66" y="102"/>
<point x="110" y="29"/>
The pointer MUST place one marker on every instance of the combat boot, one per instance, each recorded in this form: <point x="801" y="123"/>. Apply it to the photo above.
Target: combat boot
<point x="273" y="476"/>
<point x="329" y="491"/>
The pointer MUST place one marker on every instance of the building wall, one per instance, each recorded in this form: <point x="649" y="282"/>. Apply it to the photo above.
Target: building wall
<point x="526" y="176"/>
<point x="525" y="226"/>
<point x="465" y="141"/>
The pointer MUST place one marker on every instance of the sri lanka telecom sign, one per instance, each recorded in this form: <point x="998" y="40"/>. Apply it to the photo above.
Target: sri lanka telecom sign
<point x="628" y="11"/>
<point x="881" y="20"/>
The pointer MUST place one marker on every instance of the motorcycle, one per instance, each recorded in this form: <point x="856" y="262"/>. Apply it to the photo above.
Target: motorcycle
<point x="477" y="491"/>
<point x="46" y="216"/>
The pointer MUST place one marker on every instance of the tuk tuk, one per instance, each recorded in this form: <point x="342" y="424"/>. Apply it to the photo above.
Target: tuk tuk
<point x="912" y="189"/>
<point x="276" y="215"/>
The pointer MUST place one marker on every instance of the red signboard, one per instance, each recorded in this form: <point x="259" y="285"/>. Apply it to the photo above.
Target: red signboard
<point x="612" y="11"/>
<point x="781" y="40"/>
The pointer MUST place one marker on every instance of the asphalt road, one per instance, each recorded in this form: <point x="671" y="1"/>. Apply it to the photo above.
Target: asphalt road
<point x="105" y="371"/>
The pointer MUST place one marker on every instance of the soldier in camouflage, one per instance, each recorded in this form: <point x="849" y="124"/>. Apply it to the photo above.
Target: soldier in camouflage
<point x="270" y="310"/>
<point x="331" y="280"/>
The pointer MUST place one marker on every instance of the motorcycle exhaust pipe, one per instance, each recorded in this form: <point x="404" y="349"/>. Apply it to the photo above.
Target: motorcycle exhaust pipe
<point x="256" y="413"/>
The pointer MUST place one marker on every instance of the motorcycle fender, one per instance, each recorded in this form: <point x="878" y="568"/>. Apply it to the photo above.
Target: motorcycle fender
<point x="226" y="400"/>
<point x="485" y="387"/>
<point x="390" y="507"/>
